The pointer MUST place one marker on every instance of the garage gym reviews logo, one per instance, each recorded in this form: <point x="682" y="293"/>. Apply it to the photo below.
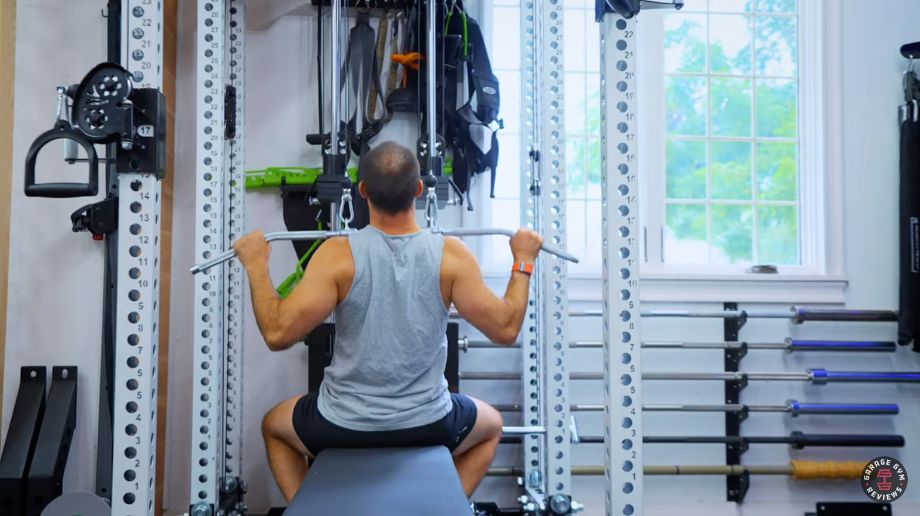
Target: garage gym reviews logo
<point x="884" y="479"/>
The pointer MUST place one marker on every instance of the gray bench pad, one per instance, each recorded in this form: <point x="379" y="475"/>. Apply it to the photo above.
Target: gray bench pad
<point x="381" y="482"/>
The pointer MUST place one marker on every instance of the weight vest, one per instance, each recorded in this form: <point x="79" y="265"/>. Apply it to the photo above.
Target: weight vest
<point x="471" y="129"/>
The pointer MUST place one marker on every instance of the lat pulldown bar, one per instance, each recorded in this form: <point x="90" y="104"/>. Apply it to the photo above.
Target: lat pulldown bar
<point x="815" y="376"/>
<point x="792" y="407"/>
<point x="796" y="314"/>
<point x="322" y="235"/>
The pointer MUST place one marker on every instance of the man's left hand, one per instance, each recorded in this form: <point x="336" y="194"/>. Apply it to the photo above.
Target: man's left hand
<point x="252" y="250"/>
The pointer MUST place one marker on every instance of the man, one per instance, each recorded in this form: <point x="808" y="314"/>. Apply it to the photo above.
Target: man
<point x="390" y="285"/>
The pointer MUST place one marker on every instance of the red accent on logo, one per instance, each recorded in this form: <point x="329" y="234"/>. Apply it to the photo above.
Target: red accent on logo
<point x="884" y="479"/>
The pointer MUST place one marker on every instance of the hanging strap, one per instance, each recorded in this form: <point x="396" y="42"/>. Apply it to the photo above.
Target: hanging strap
<point x="379" y="52"/>
<point x="361" y="67"/>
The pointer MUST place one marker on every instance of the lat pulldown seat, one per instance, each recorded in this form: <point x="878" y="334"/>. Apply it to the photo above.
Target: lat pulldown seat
<point x="382" y="482"/>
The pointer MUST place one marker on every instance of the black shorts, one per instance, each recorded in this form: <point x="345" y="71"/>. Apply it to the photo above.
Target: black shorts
<point x="318" y="433"/>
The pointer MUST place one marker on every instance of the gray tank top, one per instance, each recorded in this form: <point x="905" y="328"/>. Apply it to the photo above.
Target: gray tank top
<point x="387" y="370"/>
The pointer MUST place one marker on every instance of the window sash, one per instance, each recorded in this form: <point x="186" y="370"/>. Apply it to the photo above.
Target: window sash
<point x="819" y="235"/>
<point x="810" y="199"/>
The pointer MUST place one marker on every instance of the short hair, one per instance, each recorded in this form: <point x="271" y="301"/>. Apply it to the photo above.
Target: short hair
<point x="390" y="173"/>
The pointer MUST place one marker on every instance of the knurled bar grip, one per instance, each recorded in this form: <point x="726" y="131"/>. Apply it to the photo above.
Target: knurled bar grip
<point x="319" y="235"/>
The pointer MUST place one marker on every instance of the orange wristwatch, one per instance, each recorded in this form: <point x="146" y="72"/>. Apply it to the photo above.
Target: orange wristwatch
<point x="525" y="267"/>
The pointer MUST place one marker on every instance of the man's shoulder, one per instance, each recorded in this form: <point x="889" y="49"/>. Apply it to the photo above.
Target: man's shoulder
<point x="334" y="250"/>
<point x="456" y="252"/>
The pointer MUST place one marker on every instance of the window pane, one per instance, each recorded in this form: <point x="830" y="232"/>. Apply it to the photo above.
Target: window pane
<point x="685" y="105"/>
<point x="504" y="214"/>
<point x="574" y="47"/>
<point x="776" y="45"/>
<point x="510" y="91"/>
<point x="507" y="176"/>
<point x="730" y="38"/>
<point x="730" y="170"/>
<point x="685" y="171"/>
<point x="575" y="167"/>
<point x="592" y="43"/>
<point x="776" y="108"/>
<point x="575" y="107"/>
<point x="732" y="234"/>
<point x="593" y="115"/>
<point x="778" y="235"/>
<point x="593" y="248"/>
<point x="506" y="35"/>
<point x="577" y="231"/>
<point x="730" y="5"/>
<point x="685" y="43"/>
<point x="694" y="6"/>
<point x="777" y="167"/>
<point x="593" y="167"/>
<point x="685" y="234"/>
<point x="730" y="101"/>
<point x="777" y="6"/>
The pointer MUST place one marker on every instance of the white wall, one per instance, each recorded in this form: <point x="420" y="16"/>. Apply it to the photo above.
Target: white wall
<point x="55" y="293"/>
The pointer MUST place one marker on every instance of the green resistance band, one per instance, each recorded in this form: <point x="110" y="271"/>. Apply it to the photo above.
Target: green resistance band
<point x="273" y="177"/>
<point x="287" y="286"/>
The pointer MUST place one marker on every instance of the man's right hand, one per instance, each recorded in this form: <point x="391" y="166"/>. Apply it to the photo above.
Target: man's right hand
<point x="525" y="245"/>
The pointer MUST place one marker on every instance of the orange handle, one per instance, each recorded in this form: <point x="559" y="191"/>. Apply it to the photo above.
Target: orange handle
<point x="808" y="470"/>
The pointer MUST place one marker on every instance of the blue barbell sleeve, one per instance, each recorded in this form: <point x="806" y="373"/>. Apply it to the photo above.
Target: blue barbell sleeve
<point x="822" y="376"/>
<point x="834" y="345"/>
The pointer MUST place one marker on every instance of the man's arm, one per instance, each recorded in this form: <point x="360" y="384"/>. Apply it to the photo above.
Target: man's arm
<point x="498" y="318"/>
<point x="283" y="322"/>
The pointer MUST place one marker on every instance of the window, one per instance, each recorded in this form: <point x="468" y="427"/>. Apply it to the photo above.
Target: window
<point x="582" y="128"/>
<point x="721" y="137"/>
<point x="722" y="186"/>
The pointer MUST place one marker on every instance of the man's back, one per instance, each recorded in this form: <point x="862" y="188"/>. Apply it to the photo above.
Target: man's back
<point x="391" y="349"/>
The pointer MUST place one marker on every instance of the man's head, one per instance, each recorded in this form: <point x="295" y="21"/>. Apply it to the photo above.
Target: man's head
<point x="389" y="178"/>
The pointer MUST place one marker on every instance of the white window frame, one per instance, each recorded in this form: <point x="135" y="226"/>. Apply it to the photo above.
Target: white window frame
<point x="821" y="278"/>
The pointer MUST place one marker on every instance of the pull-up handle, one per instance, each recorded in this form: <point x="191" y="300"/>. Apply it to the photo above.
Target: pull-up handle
<point x="62" y="131"/>
<point x="911" y="50"/>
